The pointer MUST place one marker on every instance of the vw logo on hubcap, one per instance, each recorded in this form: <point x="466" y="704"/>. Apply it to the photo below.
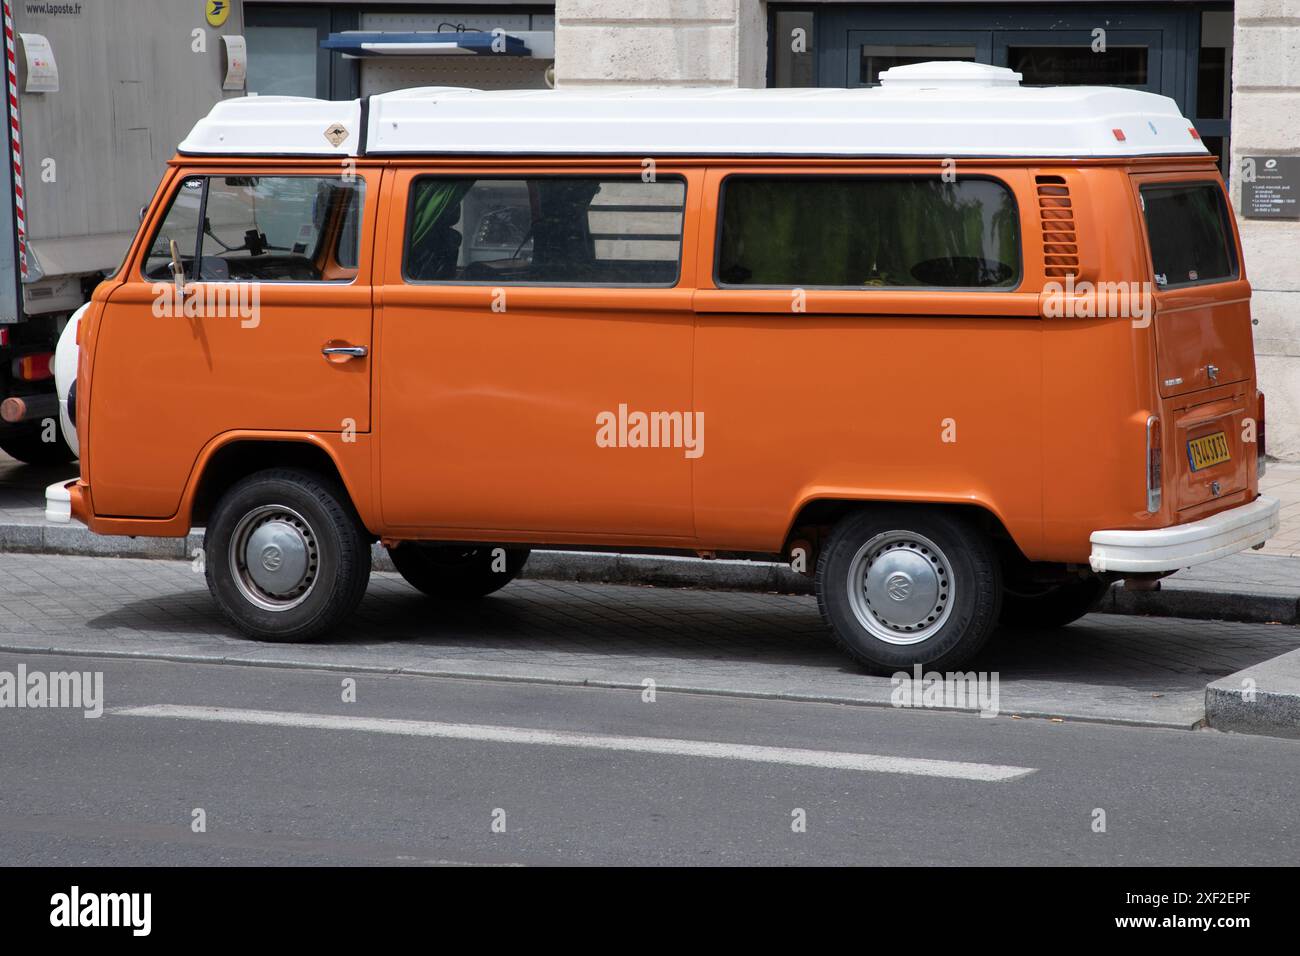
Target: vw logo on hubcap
<point x="899" y="586"/>
<point x="271" y="558"/>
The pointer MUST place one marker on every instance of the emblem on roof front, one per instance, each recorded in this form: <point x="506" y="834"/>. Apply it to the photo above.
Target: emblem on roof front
<point x="336" y="133"/>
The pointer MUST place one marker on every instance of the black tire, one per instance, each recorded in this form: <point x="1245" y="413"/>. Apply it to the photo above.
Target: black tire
<point x="457" y="572"/>
<point x="1053" y="605"/>
<point x="950" y="586"/>
<point x="337" y="555"/>
<point x="26" y="445"/>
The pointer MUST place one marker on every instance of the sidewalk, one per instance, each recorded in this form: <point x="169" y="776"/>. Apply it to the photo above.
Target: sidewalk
<point x="1254" y="587"/>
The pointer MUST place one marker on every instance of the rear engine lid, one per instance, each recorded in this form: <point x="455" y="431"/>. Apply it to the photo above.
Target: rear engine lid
<point x="1207" y="450"/>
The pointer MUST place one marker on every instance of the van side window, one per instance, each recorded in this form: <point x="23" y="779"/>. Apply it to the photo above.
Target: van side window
<point x="261" y="228"/>
<point x="181" y="224"/>
<point x="558" y="230"/>
<point x="867" y="232"/>
<point x="1190" y="234"/>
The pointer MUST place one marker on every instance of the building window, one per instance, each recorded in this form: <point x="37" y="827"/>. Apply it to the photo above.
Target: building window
<point x="792" y="56"/>
<point x="1214" y="85"/>
<point x="284" y="51"/>
<point x="1073" y="65"/>
<point x="282" y="60"/>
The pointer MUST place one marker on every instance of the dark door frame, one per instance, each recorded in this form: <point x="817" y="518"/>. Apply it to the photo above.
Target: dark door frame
<point x="1178" y="25"/>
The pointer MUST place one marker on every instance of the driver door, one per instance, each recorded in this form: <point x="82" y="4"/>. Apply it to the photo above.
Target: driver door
<point x="283" y="273"/>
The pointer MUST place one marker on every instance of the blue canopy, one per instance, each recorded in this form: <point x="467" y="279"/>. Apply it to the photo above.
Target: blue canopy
<point x="425" y="43"/>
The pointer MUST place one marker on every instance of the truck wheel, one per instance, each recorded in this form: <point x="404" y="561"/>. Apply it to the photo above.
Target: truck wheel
<point x="26" y="446"/>
<point x="286" y="556"/>
<point x="901" y="587"/>
<point x="1054" y="605"/>
<point x="456" y="572"/>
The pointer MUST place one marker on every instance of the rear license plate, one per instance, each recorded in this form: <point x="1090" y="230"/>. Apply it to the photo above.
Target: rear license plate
<point x="1208" y="450"/>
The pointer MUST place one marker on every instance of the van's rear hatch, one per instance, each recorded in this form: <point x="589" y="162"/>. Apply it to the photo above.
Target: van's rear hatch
<point x="1205" y="355"/>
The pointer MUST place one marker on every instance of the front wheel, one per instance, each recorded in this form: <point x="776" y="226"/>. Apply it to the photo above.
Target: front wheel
<point x="455" y="572"/>
<point x="286" y="556"/>
<point x="901" y="587"/>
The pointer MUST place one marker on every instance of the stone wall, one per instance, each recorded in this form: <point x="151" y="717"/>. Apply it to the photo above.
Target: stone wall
<point x="660" y="43"/>
<point x="1266" y="121"/>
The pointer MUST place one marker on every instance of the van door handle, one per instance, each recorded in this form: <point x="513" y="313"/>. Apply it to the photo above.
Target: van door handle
<point x="351" y="351"/>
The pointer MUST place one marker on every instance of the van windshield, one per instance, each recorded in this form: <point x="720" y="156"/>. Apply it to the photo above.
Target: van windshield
<point x="1190" y="234"/>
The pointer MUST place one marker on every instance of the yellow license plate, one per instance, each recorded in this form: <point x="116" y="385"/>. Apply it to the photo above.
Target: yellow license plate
<point x="1208" y="450"/>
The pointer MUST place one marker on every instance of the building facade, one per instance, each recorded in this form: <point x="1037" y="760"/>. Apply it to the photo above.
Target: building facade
<point x="1233" y="68"/>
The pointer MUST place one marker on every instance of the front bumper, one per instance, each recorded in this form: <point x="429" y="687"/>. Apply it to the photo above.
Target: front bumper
<point x="58" y="501"/>
<point x="1183" y="545"/>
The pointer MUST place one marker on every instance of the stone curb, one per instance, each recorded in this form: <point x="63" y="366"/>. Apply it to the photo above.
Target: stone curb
<point x="1262" y="699"/>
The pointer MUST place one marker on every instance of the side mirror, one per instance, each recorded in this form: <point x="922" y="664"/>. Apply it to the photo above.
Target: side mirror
<point x="143" y="211"/>
<point x="178" y="269"/>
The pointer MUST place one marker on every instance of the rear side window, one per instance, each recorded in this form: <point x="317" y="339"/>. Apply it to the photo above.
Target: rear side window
<point x="1190" y="234"/>
<point x="868" y="232"/>
<point x="556" y="230"/>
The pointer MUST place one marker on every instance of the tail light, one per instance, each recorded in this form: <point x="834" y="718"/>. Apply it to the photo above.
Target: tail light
<point x="1259" y="437"/>
<point x="33" y="368"/>
<point x="1155" y="452"/>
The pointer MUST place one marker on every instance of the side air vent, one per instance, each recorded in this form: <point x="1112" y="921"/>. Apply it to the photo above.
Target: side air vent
<point x="1056" y="213"/>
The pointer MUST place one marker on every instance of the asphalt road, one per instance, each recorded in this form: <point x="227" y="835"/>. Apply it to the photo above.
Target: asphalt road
<point x="417" y="769"/>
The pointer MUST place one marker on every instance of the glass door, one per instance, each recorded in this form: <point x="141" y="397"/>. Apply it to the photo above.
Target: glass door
<point x="1129" y="58"/>
<point x="870" y="52"/>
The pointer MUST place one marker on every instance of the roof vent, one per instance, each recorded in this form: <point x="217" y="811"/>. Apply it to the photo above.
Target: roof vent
<point x="948" y="73"/>
<point x="1060" y="240"/>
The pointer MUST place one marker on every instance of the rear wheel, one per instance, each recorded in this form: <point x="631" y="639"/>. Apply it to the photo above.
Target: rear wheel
<point x="456" y="572"/>
<point x="27" y="444"/>
<point x="901" y="587"/>
<point x="1051" y="605"/>
<point x="286" y="556"/>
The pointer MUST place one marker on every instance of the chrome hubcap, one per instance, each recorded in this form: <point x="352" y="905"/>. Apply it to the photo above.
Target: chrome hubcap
<point x="900" y="587"/>
<point x="274" y="558"/>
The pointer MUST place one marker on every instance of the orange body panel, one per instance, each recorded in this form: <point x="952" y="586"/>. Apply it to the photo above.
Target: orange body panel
<point x="473" y="422"/>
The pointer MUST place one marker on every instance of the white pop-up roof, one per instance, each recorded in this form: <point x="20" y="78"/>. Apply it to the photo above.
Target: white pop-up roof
<point x="924" y="109"/>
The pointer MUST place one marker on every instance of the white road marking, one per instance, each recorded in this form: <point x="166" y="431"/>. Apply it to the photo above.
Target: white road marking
<point x="715" y="750"/>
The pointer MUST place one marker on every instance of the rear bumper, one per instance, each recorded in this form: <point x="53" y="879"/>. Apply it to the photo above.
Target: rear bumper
<point x="1181" y="546"/>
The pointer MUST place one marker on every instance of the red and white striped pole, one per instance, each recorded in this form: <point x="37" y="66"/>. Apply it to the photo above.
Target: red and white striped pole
<point x="15" y="136"/>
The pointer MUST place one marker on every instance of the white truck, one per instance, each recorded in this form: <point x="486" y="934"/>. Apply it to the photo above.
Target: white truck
<point x="99" y="93"/>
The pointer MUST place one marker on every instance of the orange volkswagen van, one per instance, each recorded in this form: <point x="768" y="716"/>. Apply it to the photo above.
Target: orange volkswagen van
<point x="966" y="352"/>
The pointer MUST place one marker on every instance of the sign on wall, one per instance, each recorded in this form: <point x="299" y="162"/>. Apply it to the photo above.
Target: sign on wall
<point x="218" y="11"/>
<point x="41" y="73"/>
<point x="234" y="62"/>
<point x="1270" y="187"/>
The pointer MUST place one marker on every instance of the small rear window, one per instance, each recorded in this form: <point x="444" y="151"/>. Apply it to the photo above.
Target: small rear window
<point x="1190" y="235"/>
